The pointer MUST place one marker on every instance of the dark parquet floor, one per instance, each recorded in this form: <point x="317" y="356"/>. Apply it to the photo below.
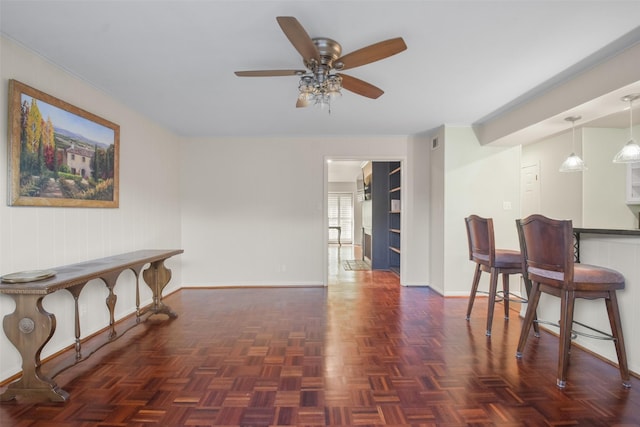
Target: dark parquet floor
<point x="362" y="352"/>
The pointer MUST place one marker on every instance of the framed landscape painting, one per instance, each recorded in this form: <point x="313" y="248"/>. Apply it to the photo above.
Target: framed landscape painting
<point x="59" y="154"/>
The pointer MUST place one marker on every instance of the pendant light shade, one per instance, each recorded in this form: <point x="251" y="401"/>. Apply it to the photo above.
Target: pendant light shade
<point x="573" y="163"/>
<point x="630" y="153"/>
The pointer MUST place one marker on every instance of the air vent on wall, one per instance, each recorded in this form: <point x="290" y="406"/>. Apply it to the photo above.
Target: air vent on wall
<point x="435" y="143"/>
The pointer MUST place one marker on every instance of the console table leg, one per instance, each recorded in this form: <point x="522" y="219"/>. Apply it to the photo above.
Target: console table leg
<point x="29" y="328"/>
<point x="75" y="293"/>
<point x="157" y="276"/>
<point x="110" y="280"/>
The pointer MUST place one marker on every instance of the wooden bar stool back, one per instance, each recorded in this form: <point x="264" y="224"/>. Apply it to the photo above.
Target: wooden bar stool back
<point x="547" y="248"/>
<point x="494" y="261"/>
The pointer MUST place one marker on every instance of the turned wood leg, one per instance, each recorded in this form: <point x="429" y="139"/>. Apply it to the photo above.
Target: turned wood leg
<point x="75" y="292"/>
<point x="157" y="276"/>
<point x="29" y="328"/>
<point x="136" y="271"/>
<point x="110" y="280"/>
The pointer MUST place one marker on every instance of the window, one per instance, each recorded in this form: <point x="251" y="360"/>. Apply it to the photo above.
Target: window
<point x="341" y="215"/>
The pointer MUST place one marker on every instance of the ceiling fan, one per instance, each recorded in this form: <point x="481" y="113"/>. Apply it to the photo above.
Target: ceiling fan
<point x="322" y="81"/>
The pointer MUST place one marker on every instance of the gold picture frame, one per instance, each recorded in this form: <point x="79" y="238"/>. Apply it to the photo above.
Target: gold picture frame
<point x="59" y="154"/>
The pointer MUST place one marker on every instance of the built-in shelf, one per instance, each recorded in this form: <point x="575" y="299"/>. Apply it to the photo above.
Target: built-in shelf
<point x="394" y="216"/>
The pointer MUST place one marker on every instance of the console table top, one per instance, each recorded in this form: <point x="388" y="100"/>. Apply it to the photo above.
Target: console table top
<point x="79" y="273"/>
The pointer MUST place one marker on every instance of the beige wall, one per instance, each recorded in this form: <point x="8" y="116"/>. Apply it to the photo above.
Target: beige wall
<point x="437" y="210"/>
<point x="258" y="215"/>
<point x="41" y="237"/>
<point x="604" y="187"/>
<point x="594" y="198"/>
<point x="477" y="180"/>
<point x="560" y="193"/>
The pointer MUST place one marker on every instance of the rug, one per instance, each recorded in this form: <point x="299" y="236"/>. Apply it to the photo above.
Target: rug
<point x="355" y="265"/>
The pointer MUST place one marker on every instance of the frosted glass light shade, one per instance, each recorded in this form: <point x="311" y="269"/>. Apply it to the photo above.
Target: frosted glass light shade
<point x="630" y="153"/>
<point x="573" y="164"/>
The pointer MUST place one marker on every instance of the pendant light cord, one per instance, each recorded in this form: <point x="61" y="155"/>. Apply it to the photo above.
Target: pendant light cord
<point x="631" y="119"/>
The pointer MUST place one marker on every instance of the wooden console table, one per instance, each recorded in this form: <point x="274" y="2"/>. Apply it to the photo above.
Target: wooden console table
<point x="30" y="327"/>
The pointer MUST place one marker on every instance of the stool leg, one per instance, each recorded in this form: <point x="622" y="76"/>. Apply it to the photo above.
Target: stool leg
<point x="492" y="298"/>
<point x="505" y="291"/>
<point x="532" y="306"/>
<point x="474" y="289"/>
<point x="527" y="288"/>
<point x="616" y="331"/>
<point x="567" y="304"/>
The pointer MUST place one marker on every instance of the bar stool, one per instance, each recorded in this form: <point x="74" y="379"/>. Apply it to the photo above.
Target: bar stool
<point x="483" y="252"/>
<point x="547" y="248"/>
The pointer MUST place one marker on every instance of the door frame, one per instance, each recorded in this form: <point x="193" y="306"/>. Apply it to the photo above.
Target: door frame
<point x="325" y="204"/>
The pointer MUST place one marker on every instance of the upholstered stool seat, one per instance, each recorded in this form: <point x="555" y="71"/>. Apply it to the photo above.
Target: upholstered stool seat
<point x="585" y="275"/>
<point x="506" y="258"/>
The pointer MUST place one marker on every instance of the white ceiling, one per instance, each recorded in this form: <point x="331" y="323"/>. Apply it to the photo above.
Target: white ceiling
<point x="173" y="61"/>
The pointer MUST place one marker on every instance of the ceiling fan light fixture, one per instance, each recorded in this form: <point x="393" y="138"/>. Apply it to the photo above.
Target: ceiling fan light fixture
<point x="320" y="90"/>
<point x="323" y="58"/>
<point x="630" y="152"/>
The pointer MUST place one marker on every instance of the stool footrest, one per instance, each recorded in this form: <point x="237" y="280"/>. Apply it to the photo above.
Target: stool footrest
<point x="506" y="296"/>
<point x="601" y="335"/>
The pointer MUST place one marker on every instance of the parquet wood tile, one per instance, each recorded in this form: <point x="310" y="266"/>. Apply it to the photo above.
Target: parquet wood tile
<point x="362" y="352"/>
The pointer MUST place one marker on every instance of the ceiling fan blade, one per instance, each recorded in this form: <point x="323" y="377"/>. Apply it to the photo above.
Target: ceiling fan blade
<point x="372" y="53"/>
<point x="269" y="73"/>
<point x="360" y="87"/>
<point x="299" y="38"/>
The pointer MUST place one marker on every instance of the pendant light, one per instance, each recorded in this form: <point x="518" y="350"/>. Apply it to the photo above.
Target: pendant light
<point x="630" y="153"/>
<point x="573" y="163"/>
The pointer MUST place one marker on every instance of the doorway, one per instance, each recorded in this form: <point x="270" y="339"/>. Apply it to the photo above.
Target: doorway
<point x="346" y="183"/>
<point x="530" y="190"/>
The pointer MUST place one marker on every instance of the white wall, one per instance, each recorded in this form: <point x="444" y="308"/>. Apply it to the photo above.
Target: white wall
<point x="594" y="198"/>
<point x="478" y="180"/>
<point x="41" y="237"/>
<point x="560" y="192"/>
<point x="436" y="210"/>
<point x="416" y="206"/>
<point x="604" y="188"/>
<point x="258" y="215"/>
